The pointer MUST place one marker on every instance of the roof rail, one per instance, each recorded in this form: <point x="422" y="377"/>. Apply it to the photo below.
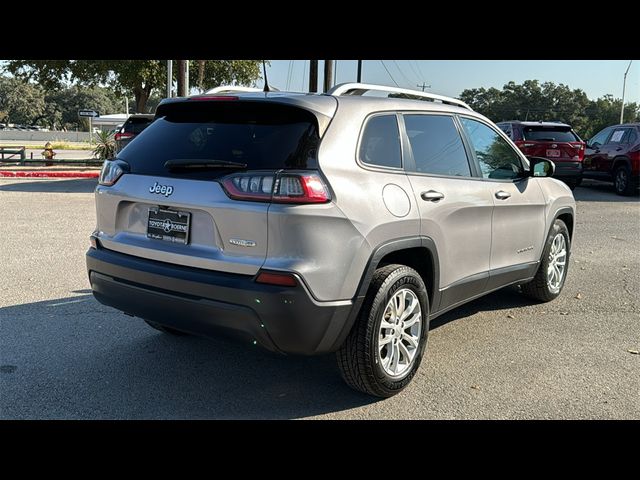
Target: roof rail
<point x="232" y="88"/>
<point x="361" y="88"/>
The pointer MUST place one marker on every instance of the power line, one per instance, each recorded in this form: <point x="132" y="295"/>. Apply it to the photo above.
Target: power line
<point x="419" y="69"/>
<point x="388" y="72"/>
<point x="414" y="70"/>
<point x="401" y="72"/>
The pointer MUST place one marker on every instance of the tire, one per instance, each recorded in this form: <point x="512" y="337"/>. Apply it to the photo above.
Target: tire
<point x="578" y="182"/>
<point x="163" y="329"/>
<point x="622" y="180"/>
<point x="541" y="287"/>
<point x="365" y="365"/>
<point x="572" y="184"/>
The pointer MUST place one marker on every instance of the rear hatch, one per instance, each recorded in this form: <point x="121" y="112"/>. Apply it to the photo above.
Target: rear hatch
<point x="200" y="182"/>
<point x="557" y="143"/>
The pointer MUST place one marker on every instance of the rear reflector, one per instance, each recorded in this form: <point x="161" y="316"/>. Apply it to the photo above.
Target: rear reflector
<point x="273" y="278"/>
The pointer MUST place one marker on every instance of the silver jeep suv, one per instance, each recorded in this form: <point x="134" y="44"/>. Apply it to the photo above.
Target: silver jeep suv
<point x="342" y="222"/>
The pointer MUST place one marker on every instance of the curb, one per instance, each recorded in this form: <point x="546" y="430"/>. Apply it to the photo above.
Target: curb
<point x="31" y="174"/>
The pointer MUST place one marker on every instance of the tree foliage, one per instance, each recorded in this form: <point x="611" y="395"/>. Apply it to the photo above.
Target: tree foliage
<point x="549" y="102"/>
<point x="140" y="78"/>
<point x="20" y="102"/>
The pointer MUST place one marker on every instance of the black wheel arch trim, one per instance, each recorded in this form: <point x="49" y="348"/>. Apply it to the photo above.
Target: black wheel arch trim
<point x="376" y="256"/>
<point x="617" y="161"/>
<point x="562" y="211"/>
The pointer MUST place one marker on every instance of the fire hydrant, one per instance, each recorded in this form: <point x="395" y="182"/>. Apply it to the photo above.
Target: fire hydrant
<point x="48" y="153"/>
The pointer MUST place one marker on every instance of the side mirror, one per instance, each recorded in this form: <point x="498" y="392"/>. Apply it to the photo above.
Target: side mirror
<point x="541" y="167"/>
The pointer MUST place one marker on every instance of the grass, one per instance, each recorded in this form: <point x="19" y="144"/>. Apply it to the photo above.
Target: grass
<point x="63" y="145"/>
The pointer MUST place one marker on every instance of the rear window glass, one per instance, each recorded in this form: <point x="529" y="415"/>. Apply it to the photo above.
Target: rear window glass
<point x="380" y="143"/>
<point x="262" y="136"/>
<point x="136" y="125"/>
<point x="550" y="134"/>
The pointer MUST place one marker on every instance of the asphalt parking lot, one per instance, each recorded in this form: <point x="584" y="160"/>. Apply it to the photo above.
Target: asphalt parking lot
<point x="64" y="356"/>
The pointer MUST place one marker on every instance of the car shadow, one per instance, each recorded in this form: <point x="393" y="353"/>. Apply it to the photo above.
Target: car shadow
<point x="75" y="185"/>
<point x="505" y="298"/>
<point x="597" y="191"/>
<point x="98" y="363"/>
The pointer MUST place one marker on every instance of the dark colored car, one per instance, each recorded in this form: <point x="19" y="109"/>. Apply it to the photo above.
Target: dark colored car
<point x="613" y="154"/>
<point x="134" y="125"/>
<point x="551" y="140"/>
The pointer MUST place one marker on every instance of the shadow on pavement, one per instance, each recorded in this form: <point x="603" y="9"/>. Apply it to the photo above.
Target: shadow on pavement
<point x="596" y="191"/>
<point x="75" y="358"/>
<point x="508" y="297"/>
<point x="75" y="185"/>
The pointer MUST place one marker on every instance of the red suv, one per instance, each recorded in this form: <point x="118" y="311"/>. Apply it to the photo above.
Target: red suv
<point x="551" y="140"/>
<point x="614" y="154"/>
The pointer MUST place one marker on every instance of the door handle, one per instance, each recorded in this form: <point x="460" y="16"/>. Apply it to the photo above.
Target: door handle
<point x="618" y="149"/>
<point x="432" y="196"/>
<point x="502" y="195"/>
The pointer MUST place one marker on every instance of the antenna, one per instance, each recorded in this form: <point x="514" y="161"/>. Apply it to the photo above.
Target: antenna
<point x="266" y="82"/>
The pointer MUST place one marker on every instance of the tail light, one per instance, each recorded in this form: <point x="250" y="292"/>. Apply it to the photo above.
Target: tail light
<point x="522" y="144"/>
<point x="111" y="171"/>
<point x="580" y="146"/>
<point x="277" y="187"/>
<point x="124" y="136"/>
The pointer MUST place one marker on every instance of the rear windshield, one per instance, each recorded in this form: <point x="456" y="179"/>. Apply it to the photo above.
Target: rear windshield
<point x="550" y="134"/>
<point x="262" y="136"/>
<point x="136" y="125"/>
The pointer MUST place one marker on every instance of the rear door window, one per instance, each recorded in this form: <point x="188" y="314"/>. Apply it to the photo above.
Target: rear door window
<point x="262" y="136"/>
<point x="549" y="134"/>
<point x="436" y="145"/>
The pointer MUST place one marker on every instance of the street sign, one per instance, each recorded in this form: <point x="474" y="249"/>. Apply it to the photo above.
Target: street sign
<point x="88" y="113"/>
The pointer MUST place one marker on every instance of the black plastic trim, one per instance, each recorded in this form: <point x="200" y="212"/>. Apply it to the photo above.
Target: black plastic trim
<point x="204" y="302"/>
<point x="374" y="260"/>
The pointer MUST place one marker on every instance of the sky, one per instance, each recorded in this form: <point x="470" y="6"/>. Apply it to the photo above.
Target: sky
<point x="451" y="77"/>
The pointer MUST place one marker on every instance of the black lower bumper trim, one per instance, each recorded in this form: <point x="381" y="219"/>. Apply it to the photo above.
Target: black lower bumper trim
<point x="283" y="319"/>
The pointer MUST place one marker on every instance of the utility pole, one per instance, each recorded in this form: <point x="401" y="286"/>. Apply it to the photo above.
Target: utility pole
<point x="328" y="74"/>
<point x="423" y="86"/>
<point x="359" y="71"/>
<point x="624" y="85"/>
<point x="169" y="77"/>
<point x="126" y="104"/>
<point x="313" y="76"/>
<point x="183" y="78"/>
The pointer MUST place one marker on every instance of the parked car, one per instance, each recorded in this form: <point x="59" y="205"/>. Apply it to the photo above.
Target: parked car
<point x="132" y="127"/>
<point x="613" y="154"/>
<point x="310" y="224"/>
<point x="552" y="140"/>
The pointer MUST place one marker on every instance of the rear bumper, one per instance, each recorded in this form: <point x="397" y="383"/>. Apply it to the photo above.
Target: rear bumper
<point x="568" y="170"/>
<point x="208" y="303"/>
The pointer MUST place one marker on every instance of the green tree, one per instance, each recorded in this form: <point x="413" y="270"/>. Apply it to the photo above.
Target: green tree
<point x="20" y="102"/>
<point x="548" y="102"/>
<point x="62" y="105"/>
<point x="141" y="78"/>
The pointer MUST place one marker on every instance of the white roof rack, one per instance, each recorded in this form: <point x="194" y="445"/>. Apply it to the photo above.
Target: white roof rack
<point x="361" y="88"/>
<point x="232" y="88"/>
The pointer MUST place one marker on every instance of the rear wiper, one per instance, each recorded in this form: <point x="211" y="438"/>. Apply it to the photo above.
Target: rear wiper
<point x="202" y="164"/>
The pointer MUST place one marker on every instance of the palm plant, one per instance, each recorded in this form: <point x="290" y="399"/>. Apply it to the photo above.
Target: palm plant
<point x="105" y="146"/>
